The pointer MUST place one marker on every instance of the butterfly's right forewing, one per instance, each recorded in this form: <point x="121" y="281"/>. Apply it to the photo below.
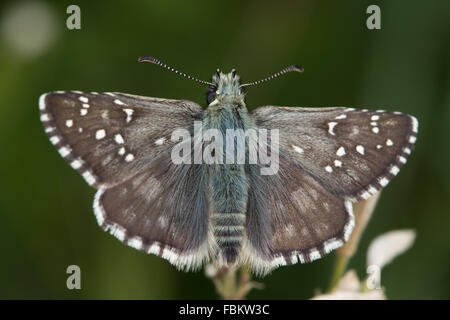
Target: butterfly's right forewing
<point x="110" y="137"/>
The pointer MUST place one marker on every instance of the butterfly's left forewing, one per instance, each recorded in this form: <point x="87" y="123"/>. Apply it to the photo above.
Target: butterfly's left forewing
<point x="121" y="144"/>
<point x="352" y="153"/>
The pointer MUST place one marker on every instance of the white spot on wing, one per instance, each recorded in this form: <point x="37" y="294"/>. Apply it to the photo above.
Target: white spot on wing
<point x="338" y="163"/>
<point x="121" y="151"/>
<point x="389" y="142"/>
<point x="160" y="141"/>
<point x="162" y="221"/>
<point x="105" y="114"/>
<point x="64" y="151"/>
<point x="372" y="190"/>
<point x="375" y="130"/>
<point x="88" y="177"/>
<point x="375" y="117"/>
<point x="120" y="103"/>
<point x="129" y="113"/>
<point x="117" y="231"/>
<point x="129" y="157"/>
<point x="83" y="112"/>
<point x="351" y="223"/>
<point x="155" y="248"/>
<point x="383" y="181"/>
<point x="54" y="140"/>
<point x="298" y="149"/>
<point x="415" y="124"/>
<point x="42" y="101"/>
<point x="76" y="164"/>
<point x="314" y="255"/>
<point x="118" y="138"/>
<point x="301" y="258"/>
<point x="83" y="99"/>
<point x="340" y="152"/>
<point x="342" y="116"/>
<point x="69" y="123"/>
<point x="360" y="149"/>
<point x="169" y="255"/>
<point x="365" y="195"/>
<point x="100" y="134"/>
<point x="332" y="244"/>
<point x="328" y="169"/>
<point x="394" y="170"/>
<point x="331" y="126"/>
<point x="98" y="208"/>
<point x="135" y="242"/>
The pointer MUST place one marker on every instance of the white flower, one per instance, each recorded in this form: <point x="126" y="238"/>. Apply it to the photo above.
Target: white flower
<point x="350" y="288"/>
<point x="386" y="247"/>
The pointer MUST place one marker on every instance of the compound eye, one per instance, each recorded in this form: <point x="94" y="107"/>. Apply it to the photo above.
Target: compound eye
<point x="210" y="97"/>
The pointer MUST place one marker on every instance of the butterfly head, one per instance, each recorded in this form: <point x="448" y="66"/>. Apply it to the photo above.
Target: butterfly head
<point x="225" y="87"/>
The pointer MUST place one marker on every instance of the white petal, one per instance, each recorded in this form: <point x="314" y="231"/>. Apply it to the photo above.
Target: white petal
<point x="348" y="288"/>
<point x="386" y="247"/>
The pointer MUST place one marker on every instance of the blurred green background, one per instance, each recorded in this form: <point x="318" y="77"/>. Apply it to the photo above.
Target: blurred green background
<point x="47" y="221"/>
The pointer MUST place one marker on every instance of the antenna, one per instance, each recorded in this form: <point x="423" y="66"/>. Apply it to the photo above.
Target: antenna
<point x="162" y="64"/>
<point x="292" y="68"/>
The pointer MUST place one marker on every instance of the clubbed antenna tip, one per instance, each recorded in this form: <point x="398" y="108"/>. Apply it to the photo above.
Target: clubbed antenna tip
<point x="297" y="68"/>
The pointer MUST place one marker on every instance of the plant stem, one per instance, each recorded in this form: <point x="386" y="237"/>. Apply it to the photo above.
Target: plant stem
<point x="229" y="284"/>
<point x="362" y="211"/>
<point x="229" y="288"/>
<point x="339" y="270"/>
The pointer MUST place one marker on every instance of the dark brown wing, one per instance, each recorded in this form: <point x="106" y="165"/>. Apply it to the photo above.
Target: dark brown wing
<point x="292" y="218"/>
<point x="110" y="137"/>
<point x="352" y="153"/>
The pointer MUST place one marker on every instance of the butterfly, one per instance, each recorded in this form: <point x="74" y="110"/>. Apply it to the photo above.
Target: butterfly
<point x="231" y="214"/>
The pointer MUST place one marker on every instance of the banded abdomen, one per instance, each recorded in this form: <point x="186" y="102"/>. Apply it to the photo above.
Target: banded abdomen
<point x="229" y="198"/>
